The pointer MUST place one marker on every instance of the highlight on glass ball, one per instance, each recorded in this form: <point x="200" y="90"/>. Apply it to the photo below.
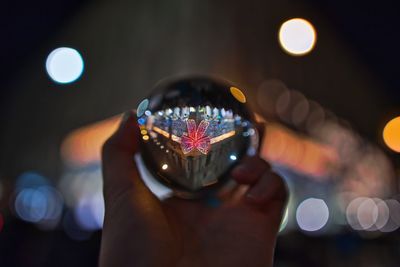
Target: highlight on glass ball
<point x="194" y="130"/>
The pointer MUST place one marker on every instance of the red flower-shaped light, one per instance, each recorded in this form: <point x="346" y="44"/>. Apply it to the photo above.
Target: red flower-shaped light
<point x="196" y="138"/>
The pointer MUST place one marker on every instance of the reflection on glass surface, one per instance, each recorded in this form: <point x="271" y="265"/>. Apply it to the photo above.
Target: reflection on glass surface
<point x="193" y="132"/>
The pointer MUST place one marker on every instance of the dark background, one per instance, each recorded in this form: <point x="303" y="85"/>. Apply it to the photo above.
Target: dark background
<point x="129" y="45"/>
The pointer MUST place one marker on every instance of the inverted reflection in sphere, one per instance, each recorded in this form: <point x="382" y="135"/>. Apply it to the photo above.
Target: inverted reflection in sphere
<point x="194" y="130"/>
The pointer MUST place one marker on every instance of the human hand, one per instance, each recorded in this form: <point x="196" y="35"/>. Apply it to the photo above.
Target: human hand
<point x="141" y="230"/>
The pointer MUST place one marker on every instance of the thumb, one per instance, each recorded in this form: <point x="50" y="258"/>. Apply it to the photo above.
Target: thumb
<point x="131" y="210"/>
<point x="120" y="173"/>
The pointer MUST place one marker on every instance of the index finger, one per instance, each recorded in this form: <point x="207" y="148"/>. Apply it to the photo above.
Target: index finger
<point x="120" y="173"/>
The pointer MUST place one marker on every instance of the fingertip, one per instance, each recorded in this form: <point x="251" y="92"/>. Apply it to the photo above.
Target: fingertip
<point x="128" y="122"/>
<point x="125" y="117"/>
<point x="125" y="137"/>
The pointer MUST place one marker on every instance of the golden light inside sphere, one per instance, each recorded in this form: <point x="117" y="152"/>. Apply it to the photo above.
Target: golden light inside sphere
<point x="238" y="94"/>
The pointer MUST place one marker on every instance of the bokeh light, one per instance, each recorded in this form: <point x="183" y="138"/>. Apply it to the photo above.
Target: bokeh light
<point x="315" y="118"/>
<point x="31" y="205"/>
<point x="283" y="146"/>
<point x="81" y="185"/>
<point x="282" y="104"/>
<point x="268" y="94"/>
<point x="30" y="179"/>
<point x="83" y="192"/>
<point x="351" y="213"/>
<point x="64" y="65"/>
<point x="383" y="213"/>
<point x="35" y="198"/>
<point x="83" y="146"/>
<point x="367" y="213"/>
<point x="300" y="111"/>
<point x="312" y="214"/>
<point x="41" y="204"/>
<point x="393" y="222"/>
<point x="297" y="36"/>
<point x="89" y="213"/>
<point x="372" y="214"/>
<point x="391" y="134"/>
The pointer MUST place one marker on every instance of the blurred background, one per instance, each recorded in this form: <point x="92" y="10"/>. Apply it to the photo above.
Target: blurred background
<point x="323" y="74"/>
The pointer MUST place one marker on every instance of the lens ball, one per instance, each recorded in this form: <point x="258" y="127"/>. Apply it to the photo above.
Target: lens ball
<point x="194" y="131"/>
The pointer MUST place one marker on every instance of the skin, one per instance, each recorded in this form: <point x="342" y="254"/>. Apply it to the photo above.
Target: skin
<point x="141" y="230"/>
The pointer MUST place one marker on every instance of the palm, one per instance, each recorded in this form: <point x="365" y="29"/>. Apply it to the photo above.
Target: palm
<point x="215" y="235"/>
<point x="139" y="230"/>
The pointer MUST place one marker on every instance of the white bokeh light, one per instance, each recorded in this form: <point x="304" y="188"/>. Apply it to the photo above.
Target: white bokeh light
<point x="393" y="222"/>
<point x="367" y="213"/>
<point x="383" y="213"/>
<point x="89" y="213"/>
<point x="351" y="213"/>
<point x="64" y="65"/>
<point x="297" y="36"/>
<point x="312" y="214"/>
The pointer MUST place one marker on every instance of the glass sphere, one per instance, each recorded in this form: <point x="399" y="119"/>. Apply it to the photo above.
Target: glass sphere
<point x="194" y="130"/>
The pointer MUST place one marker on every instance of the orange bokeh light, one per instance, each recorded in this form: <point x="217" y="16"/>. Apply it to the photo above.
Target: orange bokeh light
<point x="83" y="146"/>
<point x="281" y="145"/>
<point x="391" y="134"/>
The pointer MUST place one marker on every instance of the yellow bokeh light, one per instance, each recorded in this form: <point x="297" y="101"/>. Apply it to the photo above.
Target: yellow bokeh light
<point x="238" y="94"/>
<point x="297" y="36"/>
<point x="391" y="134"/>
<point x="145" y="137"/>
<point x="143" y="132"/>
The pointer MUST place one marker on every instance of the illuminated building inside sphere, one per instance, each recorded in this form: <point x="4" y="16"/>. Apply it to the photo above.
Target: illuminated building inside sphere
<point x="191" y="147"/>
